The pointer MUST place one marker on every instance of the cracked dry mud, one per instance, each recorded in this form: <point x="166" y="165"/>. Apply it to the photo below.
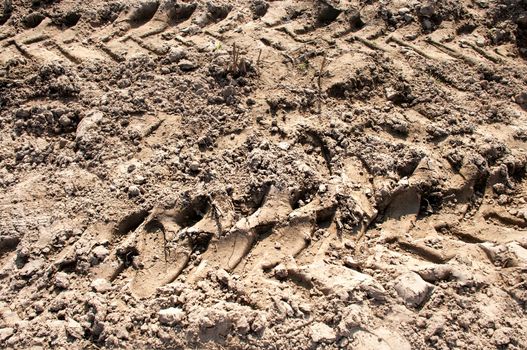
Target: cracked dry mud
<point x="255" y="174"/>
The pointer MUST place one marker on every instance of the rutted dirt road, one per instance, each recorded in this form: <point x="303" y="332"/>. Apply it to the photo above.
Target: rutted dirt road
<point x="315" y="174"/>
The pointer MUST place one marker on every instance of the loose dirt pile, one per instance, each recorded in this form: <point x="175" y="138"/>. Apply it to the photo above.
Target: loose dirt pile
<point x="315" y="174"/>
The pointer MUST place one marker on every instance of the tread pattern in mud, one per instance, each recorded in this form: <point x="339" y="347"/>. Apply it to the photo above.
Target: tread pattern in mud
<point x="261" y="174"/>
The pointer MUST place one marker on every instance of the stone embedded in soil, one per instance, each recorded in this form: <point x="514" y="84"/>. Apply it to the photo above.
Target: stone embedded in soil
<point x="501" y="336"/>
<point x="62" y="280"/>
<point x="413" y="289"/>
<point x="170" y="316"/>
<point x="5" y="333"/>
<point x="74" y="329"/>
<point x="134" y="191"/>
<point x="186" y="65"/>
<point x="321" y="332"/>
<point x="101" y="285"/>
<point x="521" y="99"/>
<point x="177" y="54"/>
<point x="100" y="252"/>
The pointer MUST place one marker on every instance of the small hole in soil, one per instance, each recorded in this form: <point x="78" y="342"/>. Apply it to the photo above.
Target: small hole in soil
<point x="131" y="222"/>
<point x="327" y="14"/>
<point x="8" y="244"/>
<point x="33" y="20"/>
<point x="181" y="12"/>
<point x="218" y="12"/>
<point x="71" y="19"/>
<point x="193" y="212"/>
<point x="144" y="13"/>
<point x="325" y="217"/>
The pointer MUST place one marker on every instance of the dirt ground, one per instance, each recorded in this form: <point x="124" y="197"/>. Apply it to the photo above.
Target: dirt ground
<point x="258" y="174"/>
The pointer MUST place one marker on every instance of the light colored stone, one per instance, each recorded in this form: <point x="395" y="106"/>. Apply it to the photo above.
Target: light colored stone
<point x="321" y="332"/>
<point x="170" y="316"/>
<point x="413" y="289"/>
<point x="284" y="145"/>
<point x="74" y="329"/>
<point x="100" y="252"/>
<point x="62" y="280"/>
<point x="88" y="123"/>
<point x="5" y="333"/>
<point x="101" y="285"/>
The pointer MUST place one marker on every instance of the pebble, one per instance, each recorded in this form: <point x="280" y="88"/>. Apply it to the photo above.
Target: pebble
<point x="134" y="191"/>
<point x="74" y="329"/>
<point x="284" y="145"/>
<point x="427" y="24"/>
<point x="521" y="99"/>
<point x="170" y="316"/>
<point x="351" y="263"/>
<point x="427" y="10"/>
<point x="321" y="332"/>
<point x="139" y="180"/>
<point x="5" y="333"/>
<point x="101" y="285"/>
<point x="194" y="166"/>
<point x="62" y="280"/>
<point x="391" y="93"/>
<point x="177" y="54"/>
<point x="501" y="336"/>
<point x="100" y="252"/>
<point x="412" y="288"/>
<point x="186" y="65"/>
<point x="64" y="121"/>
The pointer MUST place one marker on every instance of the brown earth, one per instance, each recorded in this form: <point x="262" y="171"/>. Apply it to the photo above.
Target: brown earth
<point x="254" y="174"/>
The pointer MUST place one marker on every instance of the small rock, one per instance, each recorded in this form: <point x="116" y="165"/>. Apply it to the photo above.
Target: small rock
<point x="521" y="99"/>
<point x="100" y="252"/>
<point x="427" y="10"/>
<point x="62" y="280"/>
<point x="64" y="121"/>
<point x="101" y="285"/>
<point x="139" y="180"/>
<point x="23" y="113"/>
<point x="5" y="333"/>
<point x="351" y="263"/>
<point x="194" y="166"/>
<point x="87" y="124"/>
<point x="32" y="268"/>
<point x="186" y="65"/>
<point x="134" y="191"/>
<point x="284" y="145"/>
<point x="413" y="289"/>
<point x="170" y="316"/>
<point x="259" y="8"/>
<point x="391" y="93"/>
<point x="74" y="329"/>
<point x="281" y="271"/>
<point x="501" y="336"/>
<point x="427" y="24"/>
<point x="177" y="54"/>
<point x="321" y="332"/>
